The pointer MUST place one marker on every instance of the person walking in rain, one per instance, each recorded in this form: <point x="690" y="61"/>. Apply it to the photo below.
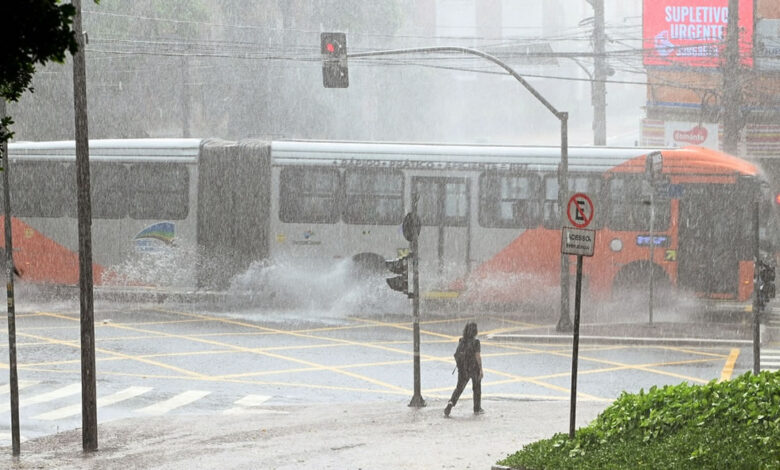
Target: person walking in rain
<point x="468" y="360"/>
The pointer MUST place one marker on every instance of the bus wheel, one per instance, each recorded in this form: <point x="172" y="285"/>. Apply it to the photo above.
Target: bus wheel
<point x="367" y="265"/>
<point x="633" y="283"/>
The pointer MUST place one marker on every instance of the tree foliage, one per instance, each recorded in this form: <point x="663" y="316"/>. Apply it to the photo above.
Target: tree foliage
<point x="34" y="32"/>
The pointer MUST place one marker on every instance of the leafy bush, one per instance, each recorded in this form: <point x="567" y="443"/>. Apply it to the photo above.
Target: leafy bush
<point x="733" y="424"/>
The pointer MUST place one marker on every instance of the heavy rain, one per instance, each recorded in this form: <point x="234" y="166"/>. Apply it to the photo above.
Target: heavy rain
<point x="291" y="227"/>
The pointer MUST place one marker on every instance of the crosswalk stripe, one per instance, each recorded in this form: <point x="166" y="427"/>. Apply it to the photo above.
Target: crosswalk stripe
<point x="71" y="389"/>
<point x="252" y="400"/>
<point x="247" y="405"/>
<point x="172" y="403"/>
<point x="71" y="410"/>
<point x="22" y="384"/>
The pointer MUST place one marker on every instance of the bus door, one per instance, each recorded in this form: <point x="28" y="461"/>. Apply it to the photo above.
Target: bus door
<point x="711" y="235"/>
<point x="444" y="241"/>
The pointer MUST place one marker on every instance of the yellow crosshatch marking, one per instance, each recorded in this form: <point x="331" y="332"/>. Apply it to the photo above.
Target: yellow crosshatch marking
<point x="310" y="349"/>
<point x="728" y="369"/>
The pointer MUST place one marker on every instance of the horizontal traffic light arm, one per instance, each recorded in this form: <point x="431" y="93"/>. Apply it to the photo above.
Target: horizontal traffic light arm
<point x="465" y="50"/>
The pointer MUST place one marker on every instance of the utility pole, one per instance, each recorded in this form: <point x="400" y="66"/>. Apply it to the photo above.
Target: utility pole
<point x="598" y="85"/>
<point x="185" y="97"/>
<point x="88" y="380"/>
<point x="732" y="102"/>
<point x="13" y="380"/>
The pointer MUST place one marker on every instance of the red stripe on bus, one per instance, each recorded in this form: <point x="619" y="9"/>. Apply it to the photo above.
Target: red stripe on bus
<point x="526" y="268"/>
<point x="41" y="259"/>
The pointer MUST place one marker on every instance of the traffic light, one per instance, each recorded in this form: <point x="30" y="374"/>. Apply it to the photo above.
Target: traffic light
<point x="399" y="266"/>
<point x="765" y="285"/>
<point x="334" y="60"/>
<point x="766" y="282"/>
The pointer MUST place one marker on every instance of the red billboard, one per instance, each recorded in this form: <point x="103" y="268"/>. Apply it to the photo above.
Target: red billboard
<point x="693" y="32"/>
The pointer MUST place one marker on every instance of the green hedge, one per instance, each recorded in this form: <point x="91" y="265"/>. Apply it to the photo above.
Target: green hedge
<point x="727" y="425"/>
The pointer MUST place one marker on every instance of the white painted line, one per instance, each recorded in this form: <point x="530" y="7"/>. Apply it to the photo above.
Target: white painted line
<point x="65" y="391"/>
<point x="248" y="404"/>
<point x="252" y="400"/>
<point x="72" y="410"/>
<point x="172" y="403"/>
<point x="22" y="384"/>
<point x="239" y="410"/>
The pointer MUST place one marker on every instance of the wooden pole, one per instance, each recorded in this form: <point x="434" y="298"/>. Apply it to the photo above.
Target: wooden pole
<point x="9" y="273"/>
<point x="88" y="380"/>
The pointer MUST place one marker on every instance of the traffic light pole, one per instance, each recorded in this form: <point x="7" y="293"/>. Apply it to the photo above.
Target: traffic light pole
<point x="417" y="399"/>
<point x="564" y="322"/>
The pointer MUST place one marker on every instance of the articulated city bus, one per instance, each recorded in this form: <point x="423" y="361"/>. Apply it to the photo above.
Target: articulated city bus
<point x="190" y="212"/>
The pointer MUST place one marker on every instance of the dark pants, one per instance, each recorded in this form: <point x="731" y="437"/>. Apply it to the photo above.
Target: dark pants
<point x="476" y="387"/>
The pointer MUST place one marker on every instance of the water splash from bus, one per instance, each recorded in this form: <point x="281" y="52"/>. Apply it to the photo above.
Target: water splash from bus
<point x="173" y="266"/>
<point x="325" y="290"/>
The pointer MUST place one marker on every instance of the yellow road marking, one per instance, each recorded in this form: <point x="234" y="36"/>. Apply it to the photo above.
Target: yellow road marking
<point x="728" y="368"/>
<point x="249" y="325"/>
<point x="333" y="342"/>
<point x="612" y="363"/>
<point x="118" y="354"/>
<point x="302" y="335"/>
<point x="265" y="353"/>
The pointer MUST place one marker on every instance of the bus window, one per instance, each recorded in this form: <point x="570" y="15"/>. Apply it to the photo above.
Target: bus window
<point x="108" y="183"/>
<point x="509" y="201"/>
<point x="629" y="209"/>
<point x="43" y="189"/>
<point x="588" y="184"/>
<point x="158" y="191"/>
<point x="442" y="201"/>
<point x="374" y="197"/>
<point x="309" y="195"/>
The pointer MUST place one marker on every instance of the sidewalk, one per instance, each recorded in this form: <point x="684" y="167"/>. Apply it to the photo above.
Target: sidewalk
<point x="366" y="436"/>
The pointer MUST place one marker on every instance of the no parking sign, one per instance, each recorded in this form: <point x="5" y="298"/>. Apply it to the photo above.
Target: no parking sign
<point x="580" y="210"/>
<point x="576" y="240"/>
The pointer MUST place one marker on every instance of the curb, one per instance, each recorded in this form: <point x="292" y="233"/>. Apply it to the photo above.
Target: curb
<point x="560" y="339"/>
<point x="158" y="296"/>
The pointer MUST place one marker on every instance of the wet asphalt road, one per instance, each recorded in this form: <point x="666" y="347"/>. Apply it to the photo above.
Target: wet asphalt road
<point x="183" y="359"/>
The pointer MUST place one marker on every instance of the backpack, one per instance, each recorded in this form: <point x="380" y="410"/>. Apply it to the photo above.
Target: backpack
<point x="462" y="352"/>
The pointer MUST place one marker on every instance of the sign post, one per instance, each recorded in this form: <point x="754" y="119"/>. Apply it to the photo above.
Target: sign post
<point x="578" y="241"/>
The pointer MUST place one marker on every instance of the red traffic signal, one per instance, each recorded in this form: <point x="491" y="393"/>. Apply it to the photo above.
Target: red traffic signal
<point x="333" y="47"/>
